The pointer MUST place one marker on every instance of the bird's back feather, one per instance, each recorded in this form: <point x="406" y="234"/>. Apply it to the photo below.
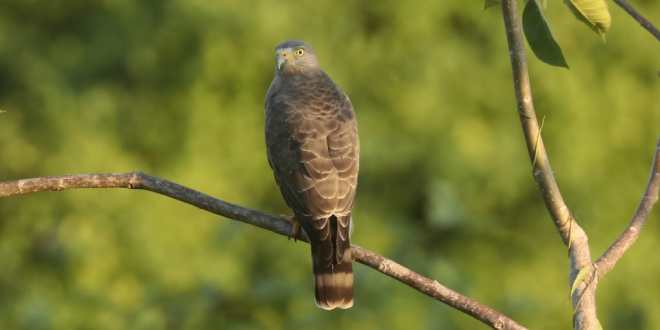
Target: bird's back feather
<point x="313" y="149"/>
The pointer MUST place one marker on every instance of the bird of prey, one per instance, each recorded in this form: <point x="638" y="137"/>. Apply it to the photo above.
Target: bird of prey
<point x="313" y="149"/>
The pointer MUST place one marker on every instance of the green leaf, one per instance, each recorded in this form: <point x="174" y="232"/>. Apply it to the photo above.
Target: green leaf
<point x="490" y="3"/>
<point x="540" y="37"/>
<point x="594" y="13"/>
<point x="598" y="325"/>
<point x="582" y="274"/>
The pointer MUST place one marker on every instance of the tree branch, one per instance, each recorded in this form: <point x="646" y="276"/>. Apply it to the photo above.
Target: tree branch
<point x="639" y="18"/>
<point x="609" y="259"/>
<point x="137" y="180"/>
<point x="542" y="171"/>
<point x="583" y="298"/>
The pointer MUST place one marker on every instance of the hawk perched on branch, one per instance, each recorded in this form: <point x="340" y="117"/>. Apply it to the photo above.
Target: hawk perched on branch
<point x="313" y="149"/>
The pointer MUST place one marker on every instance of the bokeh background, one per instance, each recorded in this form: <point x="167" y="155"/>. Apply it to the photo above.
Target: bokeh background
<point x="175" y="88"/>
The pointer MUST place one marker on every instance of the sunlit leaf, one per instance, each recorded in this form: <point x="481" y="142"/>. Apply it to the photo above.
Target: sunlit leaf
<point x="598" y="325"/>
<point x="540" y="37"/>
<point x="581" y="277"/>
<point x="594" y="13"/>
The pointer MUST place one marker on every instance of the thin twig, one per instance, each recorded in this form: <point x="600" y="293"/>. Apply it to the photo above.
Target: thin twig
<point x="279" y="225"/>
<point x="609" y="259"/>
<point x="639" y="18"/>
<point x="572" y="234"/>
<point x="542" y="170"/>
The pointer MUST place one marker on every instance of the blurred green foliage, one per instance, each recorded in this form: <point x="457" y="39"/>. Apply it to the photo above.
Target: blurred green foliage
<point x="175" y="88"/>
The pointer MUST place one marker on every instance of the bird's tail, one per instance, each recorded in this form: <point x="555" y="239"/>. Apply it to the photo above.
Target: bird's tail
<point x="333" y="270"/>
<point x="334" y="285"/>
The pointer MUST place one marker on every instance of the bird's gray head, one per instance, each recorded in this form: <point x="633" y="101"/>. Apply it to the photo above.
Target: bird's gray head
<point x="294" y="56"/>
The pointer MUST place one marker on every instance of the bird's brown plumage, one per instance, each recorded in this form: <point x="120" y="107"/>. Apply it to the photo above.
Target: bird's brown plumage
<point x="313" y="149"/>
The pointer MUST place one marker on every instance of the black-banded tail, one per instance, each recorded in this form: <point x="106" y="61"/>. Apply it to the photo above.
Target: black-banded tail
<point x="332" y="262"/>
<point x="334" y="287"/>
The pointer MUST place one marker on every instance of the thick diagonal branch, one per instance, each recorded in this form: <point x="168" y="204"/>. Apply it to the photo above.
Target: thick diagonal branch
<point x="584" y="300"/>
<point x="137" y="180"/>
<point x="607" y="261"/>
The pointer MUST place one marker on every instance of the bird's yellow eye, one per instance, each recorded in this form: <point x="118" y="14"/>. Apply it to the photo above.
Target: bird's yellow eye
<point x="300" y="52"/>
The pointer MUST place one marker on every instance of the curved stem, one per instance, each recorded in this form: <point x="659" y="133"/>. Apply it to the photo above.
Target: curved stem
<point x="571" y="233"/>
<point x="609" y="259"/>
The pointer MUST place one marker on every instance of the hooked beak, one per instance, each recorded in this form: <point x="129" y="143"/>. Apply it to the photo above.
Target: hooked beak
<point x="280" y="62"/>
<point x="282" y="58"/>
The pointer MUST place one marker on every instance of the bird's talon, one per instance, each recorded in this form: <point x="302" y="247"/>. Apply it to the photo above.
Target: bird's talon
<point x="295" y="228"/>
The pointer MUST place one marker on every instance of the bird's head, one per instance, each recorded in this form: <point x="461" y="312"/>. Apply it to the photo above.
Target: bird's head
<point x="295" y="57"/>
